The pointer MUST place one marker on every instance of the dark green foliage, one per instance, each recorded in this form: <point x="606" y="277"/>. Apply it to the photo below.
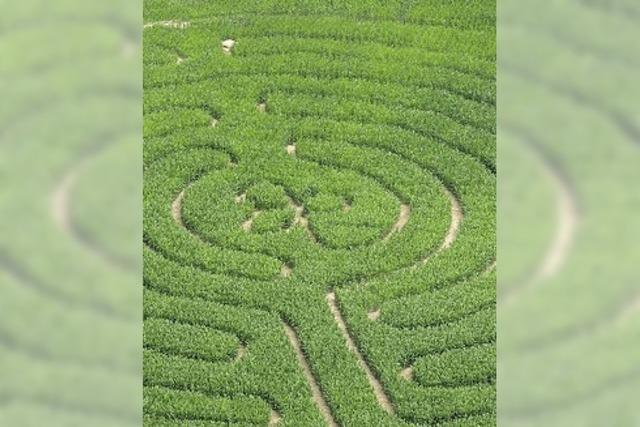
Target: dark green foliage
<point x="459" y="366"/>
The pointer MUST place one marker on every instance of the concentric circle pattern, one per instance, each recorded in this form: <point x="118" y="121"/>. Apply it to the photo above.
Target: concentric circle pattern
<point x="319" y="208"/>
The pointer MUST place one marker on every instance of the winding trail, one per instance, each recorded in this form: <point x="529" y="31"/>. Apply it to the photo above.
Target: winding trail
<point x="316" y="393"/>
<point x="403" y="218"/>
<point x="378" y="390"/>
<point x="456" y="220"/>
<point x="59" y="202"/>
<point x="567" y="221"/>
<point x="457" y="216"/>
<point x="407" y="373"/>
<point x="176" y="208"/>
<point x="60" y="212"/>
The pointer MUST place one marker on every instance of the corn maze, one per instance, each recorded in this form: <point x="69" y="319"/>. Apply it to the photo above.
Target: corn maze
<point x="319" y="213"/>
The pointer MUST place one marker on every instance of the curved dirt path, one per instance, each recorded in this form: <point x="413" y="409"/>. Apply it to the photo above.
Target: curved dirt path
<point x="59" y="202"/>
<point x="403" y="219"/>
<point x="456" y="220"/>
<point x="567" y="221"/>
<point x="176" y="208"/>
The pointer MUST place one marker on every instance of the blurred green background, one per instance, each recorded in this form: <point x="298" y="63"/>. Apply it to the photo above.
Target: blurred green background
<point x="70" y="209"/>
<point x="568" y="223"/>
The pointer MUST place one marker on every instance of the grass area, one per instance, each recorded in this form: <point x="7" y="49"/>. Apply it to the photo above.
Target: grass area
<point x="319" y="213"/>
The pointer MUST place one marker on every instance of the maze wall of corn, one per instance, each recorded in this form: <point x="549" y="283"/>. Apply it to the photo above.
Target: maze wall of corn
<point x="319" y="213"/>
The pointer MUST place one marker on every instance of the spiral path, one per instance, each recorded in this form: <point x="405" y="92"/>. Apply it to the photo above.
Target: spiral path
<point x="319" y="191"/>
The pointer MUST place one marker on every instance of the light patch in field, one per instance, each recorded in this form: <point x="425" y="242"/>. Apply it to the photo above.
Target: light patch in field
<point x="491" y="267"/>
<point x="286" y="270"/>
<point x="274" y="418"/>
<point x="129" y="48"/>
<point x="346" y="206"/>
<point x="407" y="373"/>
<point x="373" y="314"/>
<point x="180" y="59"/>
<point x="567" y="221"/>
<point x="242" y="350"/>
<point x="227" y="46"/>
<point x="240" y="198"/>
<point x="59" y="205"/>
<point x="262" y="107"/>
<point x="299" y="218"/>
<point x="181" y="25"/>
<point x="456" y="220"/>
<point x="176" y="209"/>
<point x="403" y="218"/>
<point x="246" y="226"/>
<point x="214" y="122"/>
<point x="291" y="149"/>
<point x="457" y="215"/>
<point x="318" y="398"/>
<point x="381" y="396"/>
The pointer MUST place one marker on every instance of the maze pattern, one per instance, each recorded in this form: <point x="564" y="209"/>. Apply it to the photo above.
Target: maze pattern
<point x="319" y="214"/>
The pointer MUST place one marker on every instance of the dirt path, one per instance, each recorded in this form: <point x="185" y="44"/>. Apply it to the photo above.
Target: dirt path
<point x="176" y="208"/>
<point x="567" y="220"/>
<point x="316" y="393"/>
<point x="403" y="218"/>
<point x="456" y="220"/>
<point x="381" y="396"/>
<point x="59" y="202"/>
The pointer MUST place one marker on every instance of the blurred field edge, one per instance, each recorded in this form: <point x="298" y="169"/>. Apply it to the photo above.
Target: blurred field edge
<point x="568" y="201"/>
<point x="70" y="236"/>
